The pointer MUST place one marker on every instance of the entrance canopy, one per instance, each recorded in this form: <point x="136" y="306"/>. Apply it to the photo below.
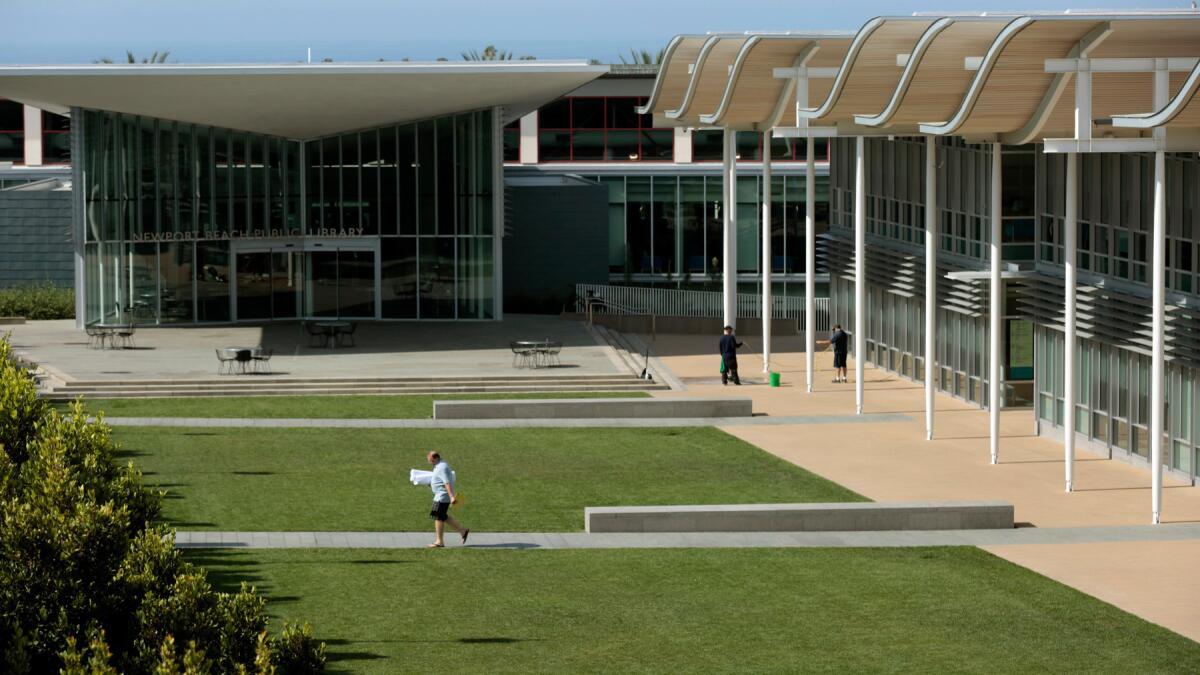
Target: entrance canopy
<point x="985" y="77"/>
<point x="297" y="101"/>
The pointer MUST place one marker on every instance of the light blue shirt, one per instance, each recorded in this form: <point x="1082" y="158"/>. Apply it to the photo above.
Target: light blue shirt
<point x="442" y="476"/>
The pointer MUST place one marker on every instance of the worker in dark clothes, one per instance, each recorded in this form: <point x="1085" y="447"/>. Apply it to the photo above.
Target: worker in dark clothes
<point x="839" y="342"/>
<point x="729" y="347"/>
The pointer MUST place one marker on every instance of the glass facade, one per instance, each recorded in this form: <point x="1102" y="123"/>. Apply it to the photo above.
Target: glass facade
<point x="1112" y="364"/>
<point x="186" y="223"/>
<point x="670" y="226"/>
<point x="601" y="129"/>
<point x="896" y="232"/>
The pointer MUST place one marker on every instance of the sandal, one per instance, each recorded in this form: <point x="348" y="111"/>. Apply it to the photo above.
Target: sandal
<point x="436" y="546"/>
<point x="464" y="536"/>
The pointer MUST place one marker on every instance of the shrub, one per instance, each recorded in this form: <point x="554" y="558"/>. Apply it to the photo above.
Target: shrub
<point x="38" y="302"/>
<point x="89" y="582"/>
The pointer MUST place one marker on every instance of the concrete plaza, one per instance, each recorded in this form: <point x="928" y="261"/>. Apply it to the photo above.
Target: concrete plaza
<point x="399" y="349"/>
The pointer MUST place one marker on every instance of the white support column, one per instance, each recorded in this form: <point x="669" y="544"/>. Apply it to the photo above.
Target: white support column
<point x="32" y="118"/>
<point x="729" y="238"/>
<point x="810" y="261"/>
<point x="1070" y="228"/>
<point x="528" y="149"/>
<point x="767" y="306"/>
<point x="860" y="268"/>
<point x="1158" y="332"/>
<point x="931" y="248"/>
<point x="995" y="311"/>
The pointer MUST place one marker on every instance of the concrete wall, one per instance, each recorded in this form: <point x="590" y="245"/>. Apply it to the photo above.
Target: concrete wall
<point x="558" y="238"/>
<point x="690" y="325"/>
<point x="851" y="517"/>
<point x="35" y="238"/>
<point x="594" y="408"/>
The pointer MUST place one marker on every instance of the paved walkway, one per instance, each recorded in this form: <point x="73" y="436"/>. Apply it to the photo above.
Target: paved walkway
<point x="759" y="420"/>
<point x="893" y="462"/>
<point x="525" y="540"/>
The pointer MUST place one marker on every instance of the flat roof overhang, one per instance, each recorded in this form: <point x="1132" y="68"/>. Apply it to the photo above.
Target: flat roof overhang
<point x="298" y="101"/>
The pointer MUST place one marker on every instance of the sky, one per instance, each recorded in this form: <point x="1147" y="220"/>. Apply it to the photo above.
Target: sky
<point x="275" y="31"/>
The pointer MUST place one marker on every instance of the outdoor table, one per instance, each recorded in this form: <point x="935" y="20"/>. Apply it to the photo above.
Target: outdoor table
<point x="331" y="330"/>
<point x="535" y="353"/>
<point x="237" y="354"/>
<point x="109" y="331"/>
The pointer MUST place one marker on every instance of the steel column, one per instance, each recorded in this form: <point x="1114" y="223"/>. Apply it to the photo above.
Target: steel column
<point x="1070" y="228"/>
<point x="1158" y="347"/>
<point x="996" y="309"/>
<point x="766" y="251"/>
<point x="729" y="234"/>
<point x="931" y="248"/>
<point x="860" y="268"/>
<point x="810" y="262"/>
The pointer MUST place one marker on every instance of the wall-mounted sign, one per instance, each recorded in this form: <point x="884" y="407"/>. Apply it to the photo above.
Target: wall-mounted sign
<point x="194" y="235"/>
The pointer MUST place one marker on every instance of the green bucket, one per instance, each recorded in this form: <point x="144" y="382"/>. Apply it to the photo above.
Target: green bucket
<point x="774" y="379"/>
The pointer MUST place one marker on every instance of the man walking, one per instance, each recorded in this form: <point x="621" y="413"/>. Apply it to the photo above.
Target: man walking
<point x="442" y="484"/>
<point x="840" y="342"/>
<point x="729" y="346"/>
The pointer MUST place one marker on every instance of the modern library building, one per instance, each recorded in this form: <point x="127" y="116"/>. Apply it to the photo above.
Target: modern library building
<point x="1002" y="207"/>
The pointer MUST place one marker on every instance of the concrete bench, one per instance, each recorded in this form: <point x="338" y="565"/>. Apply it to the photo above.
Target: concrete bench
<point x="591" y="408"/>
<point x="801" y="517"/>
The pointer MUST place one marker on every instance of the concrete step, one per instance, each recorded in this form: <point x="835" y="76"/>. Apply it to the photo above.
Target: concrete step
<point x="343" y="391"/>
<point x="258" y="382"/>
<point x="222" y="379"/>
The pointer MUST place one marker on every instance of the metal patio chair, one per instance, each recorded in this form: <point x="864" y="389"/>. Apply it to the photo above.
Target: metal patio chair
<point x="225" y="361"/>
<point x="261" y="359"/>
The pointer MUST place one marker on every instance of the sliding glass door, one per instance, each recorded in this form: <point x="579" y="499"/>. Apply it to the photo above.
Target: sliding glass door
<point x="307" y="279"/>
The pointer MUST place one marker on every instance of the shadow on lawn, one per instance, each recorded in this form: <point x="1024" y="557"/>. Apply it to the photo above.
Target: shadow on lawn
<point x="227" y="571"/>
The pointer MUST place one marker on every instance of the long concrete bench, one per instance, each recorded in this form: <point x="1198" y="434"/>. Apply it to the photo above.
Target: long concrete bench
<point x="588" y="408"/>
<point x="801" y="517"/>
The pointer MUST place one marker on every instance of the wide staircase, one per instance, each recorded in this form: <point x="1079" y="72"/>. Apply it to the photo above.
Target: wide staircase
<point x="284" y="386"/>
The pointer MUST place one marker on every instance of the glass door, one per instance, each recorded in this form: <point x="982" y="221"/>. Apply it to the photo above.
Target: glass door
<point x="253" y="285"/>
<point x="321" y="279"/>
<point x="287" y="280"/>
<point x="321" y="284"/>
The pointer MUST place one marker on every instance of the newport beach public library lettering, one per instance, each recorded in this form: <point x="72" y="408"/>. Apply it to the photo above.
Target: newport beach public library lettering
<point x="186" y="223"/>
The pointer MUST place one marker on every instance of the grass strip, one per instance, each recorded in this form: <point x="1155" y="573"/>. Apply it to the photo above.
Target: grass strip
<point x="515" y="479"/>
<point x="892" y="610"/>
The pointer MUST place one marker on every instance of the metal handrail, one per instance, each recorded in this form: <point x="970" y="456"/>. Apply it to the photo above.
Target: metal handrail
<point x="593" y="300"/>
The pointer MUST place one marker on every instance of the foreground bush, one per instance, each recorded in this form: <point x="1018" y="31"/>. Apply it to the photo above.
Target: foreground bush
<point x="89" y="582"/>
<point x="38" y="302"/>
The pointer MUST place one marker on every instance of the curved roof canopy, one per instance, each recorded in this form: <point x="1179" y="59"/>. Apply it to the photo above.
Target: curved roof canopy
<point x="981" y="76"/>
<point x="296" y="100"/>
<point x="728" y="79"/>
<point x="1182" y="111"/>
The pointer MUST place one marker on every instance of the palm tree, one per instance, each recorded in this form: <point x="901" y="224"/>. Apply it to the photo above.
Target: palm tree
<point x="156" y="57"/>
<point x="644" y="57"/>
<point x="490" y="53"/>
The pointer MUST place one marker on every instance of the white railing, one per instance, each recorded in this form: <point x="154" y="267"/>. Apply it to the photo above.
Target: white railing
<point x="674" y="302"/>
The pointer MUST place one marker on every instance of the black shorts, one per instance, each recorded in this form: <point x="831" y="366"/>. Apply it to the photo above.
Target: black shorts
<point x="839" y="359"/>
<point x="440" y="510"/>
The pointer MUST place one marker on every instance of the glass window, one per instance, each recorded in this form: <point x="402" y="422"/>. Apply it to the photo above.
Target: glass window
<point x="707" y="145"/>
<point x="12" y="131"/>
<point x="638" y="206"/>
<point x="398" y="277"/>
<point x="587" y="113"/>
<point x="436" y="277"/>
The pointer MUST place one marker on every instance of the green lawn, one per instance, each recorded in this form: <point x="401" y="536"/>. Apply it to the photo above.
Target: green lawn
<point x="520" y="479"/>
<point x="407" y="406"/>
<point x="938" y="610"/>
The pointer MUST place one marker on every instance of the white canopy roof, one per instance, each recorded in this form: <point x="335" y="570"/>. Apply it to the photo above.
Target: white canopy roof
<point x="297" y="101"/>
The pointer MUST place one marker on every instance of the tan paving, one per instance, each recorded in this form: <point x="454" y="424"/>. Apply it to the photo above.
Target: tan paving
<point x="1152" y="579"/>
<point x="893" y="462"/>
